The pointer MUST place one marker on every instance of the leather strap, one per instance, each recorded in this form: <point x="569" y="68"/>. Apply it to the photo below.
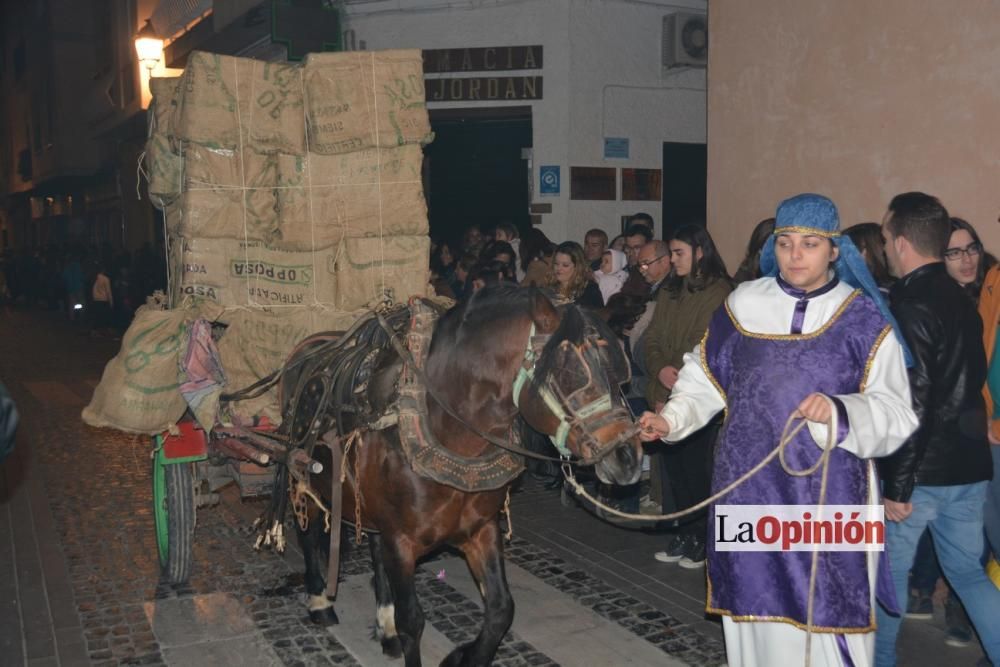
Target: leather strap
<point x="336" y="507"/>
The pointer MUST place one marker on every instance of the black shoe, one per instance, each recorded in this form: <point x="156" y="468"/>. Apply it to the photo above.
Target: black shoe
<point x="920" y="606"/>
<point x="676" y="548"/>
<point x="959" y="626"/>
<point x="694" y="556"/>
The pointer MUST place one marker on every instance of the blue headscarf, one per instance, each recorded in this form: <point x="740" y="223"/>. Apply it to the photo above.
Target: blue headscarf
<point x="817" y="215"/>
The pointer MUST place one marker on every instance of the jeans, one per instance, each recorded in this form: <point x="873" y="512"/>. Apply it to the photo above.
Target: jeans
<point x="925" y="571"/>
<point x="991" y="513"/>
<point x="954" y="515"/>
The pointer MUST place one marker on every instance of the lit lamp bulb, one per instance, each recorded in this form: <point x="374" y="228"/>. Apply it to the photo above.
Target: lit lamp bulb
<point x="148" y="46"/>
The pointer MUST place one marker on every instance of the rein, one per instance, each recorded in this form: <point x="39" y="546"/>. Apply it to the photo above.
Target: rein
<point x="787" y="435"/>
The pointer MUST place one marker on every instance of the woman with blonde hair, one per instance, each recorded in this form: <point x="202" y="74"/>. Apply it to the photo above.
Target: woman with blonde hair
<point x="570" y="276"/>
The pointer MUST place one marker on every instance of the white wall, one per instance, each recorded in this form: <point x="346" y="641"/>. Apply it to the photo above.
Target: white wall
<point x="620" y="90"/>
<point x="601" y="73"/>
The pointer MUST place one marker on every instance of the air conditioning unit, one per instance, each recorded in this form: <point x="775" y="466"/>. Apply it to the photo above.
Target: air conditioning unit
<point x="685" y="40"/>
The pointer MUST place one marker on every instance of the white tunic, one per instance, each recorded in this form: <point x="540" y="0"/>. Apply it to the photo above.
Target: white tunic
<point x="880" y="419"/>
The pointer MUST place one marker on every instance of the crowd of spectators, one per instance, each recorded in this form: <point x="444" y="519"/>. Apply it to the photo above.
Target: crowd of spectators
<point x="96" y="286"/>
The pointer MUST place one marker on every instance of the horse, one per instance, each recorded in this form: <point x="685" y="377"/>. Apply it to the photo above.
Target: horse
<point x="503" y="355"/>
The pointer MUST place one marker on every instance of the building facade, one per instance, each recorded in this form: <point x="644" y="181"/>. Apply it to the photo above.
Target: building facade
<point x="568" y="114"/>
<point x="606" y="116"/>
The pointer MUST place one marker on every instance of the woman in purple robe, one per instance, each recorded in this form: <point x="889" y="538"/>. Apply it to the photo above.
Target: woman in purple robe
<point x="812" y="337"/>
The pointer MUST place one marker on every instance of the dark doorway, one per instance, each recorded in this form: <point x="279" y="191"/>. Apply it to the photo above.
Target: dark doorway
<point x="475" y="171"/>
<point x="685" y="172"/>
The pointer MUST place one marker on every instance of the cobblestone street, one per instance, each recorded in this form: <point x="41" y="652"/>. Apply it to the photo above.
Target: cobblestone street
<point x="80" y="585"/>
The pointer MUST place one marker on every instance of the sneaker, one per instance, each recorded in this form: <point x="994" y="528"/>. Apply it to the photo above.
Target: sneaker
<point x="920" y="606"/>
<point x="647" y="506"/>
<point x="676" y="549"/>
<point x="958" y="636"/>
<point x="959" y="627"/>
<point x="694" y="557"/>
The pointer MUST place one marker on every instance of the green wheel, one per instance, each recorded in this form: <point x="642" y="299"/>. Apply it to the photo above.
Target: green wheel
<point x="174" y="514"/>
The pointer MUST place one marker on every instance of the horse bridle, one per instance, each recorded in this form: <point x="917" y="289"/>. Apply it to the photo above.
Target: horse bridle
<point x="576" y="414"/>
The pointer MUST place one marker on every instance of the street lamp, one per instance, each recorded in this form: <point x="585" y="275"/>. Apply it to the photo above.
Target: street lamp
<point x="149" y="47"/>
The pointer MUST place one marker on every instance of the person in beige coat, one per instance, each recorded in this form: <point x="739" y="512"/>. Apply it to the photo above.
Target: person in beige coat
<point x="697" y="285"/>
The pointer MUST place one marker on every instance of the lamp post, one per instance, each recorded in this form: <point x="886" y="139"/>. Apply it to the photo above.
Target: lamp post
<point x="149" y="49"/>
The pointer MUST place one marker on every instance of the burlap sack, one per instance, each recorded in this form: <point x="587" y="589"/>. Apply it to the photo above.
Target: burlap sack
<point x="139" y="392"/>
<point x="367" y="269"/>
<point x="175" y="263"/>
<point x="228" y="194"/>
<point x="163" y="104"/>
<point x="234" y="273"/>
<point x="256" y="343"/>
<point x="361" y="99"/>
<point x="324" y="198"/>
<point x="163" y="168"/>
<point x="220" y="95"/>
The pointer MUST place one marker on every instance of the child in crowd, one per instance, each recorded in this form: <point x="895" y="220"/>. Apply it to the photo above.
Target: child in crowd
<point x="612" y="274"/>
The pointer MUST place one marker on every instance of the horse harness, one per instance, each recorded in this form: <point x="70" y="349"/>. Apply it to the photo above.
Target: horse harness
<point x="347" y="382"/>
<point x="585" y="409"/>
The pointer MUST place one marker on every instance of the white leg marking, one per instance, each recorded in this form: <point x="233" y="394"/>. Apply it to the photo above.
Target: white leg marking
<point x="318" y="602"/>
<point x="385" y="618"/>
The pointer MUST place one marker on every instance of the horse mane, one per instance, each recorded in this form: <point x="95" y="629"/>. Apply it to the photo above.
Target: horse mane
<point x="474" y="326"/>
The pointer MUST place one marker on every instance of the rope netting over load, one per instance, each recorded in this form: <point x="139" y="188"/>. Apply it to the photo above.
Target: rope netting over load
<point x="292" y="202"/>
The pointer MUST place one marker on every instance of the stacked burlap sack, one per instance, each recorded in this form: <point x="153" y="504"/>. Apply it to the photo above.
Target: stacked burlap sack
<point x="293" y="202"/>
<point x="278" y="180"/>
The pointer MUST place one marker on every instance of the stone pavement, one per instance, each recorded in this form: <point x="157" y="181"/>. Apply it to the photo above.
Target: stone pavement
<point x="79" y="575"/>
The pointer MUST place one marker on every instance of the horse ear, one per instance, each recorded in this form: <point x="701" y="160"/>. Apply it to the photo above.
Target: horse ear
<point x="544" y="313"/>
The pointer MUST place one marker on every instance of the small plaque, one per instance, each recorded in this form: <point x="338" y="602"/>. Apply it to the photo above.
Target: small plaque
<point x="616" y="147"/>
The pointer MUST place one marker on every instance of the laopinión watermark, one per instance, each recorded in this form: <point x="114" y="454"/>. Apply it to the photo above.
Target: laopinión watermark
<point x="799" y="528"/>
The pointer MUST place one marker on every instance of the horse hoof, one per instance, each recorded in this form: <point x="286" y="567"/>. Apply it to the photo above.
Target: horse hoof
<point x="392" y="647"/>
<point x="324" y="617"/>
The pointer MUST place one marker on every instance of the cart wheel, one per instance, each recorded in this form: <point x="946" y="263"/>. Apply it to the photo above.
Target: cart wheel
<point x="174" y="512"/>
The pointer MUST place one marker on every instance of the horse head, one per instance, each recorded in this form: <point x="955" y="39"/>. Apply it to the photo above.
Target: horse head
<point x="508" y="350"/>
<point x="569" y="388"/>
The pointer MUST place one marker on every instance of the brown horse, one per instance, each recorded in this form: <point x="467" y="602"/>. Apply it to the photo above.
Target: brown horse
<point x="572" y="366"/>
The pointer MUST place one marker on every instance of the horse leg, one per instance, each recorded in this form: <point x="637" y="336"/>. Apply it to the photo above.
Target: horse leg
<point x="385" y="611"/>
<point x="399" y="563"/>
<point x="484" y="554"/>
<point x="312" y="541"/>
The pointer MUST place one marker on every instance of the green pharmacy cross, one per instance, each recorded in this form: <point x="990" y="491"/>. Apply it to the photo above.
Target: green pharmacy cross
<point x="305" y="26"/>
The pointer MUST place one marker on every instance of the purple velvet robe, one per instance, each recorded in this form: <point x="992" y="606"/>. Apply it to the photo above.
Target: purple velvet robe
<point x="763" y="379"/>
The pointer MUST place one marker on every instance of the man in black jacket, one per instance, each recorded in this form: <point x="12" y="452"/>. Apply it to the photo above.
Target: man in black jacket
<point x="938" y="478"/>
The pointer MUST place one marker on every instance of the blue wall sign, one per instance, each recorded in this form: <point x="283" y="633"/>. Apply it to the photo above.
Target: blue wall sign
<point x="616" y="147"/>
<point x="548" y="177"/>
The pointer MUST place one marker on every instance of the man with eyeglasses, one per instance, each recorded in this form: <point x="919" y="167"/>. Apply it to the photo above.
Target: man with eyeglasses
<point x="636" y="236"/>
<point x="653" y="263"/>
<point x="962" y="262"/>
